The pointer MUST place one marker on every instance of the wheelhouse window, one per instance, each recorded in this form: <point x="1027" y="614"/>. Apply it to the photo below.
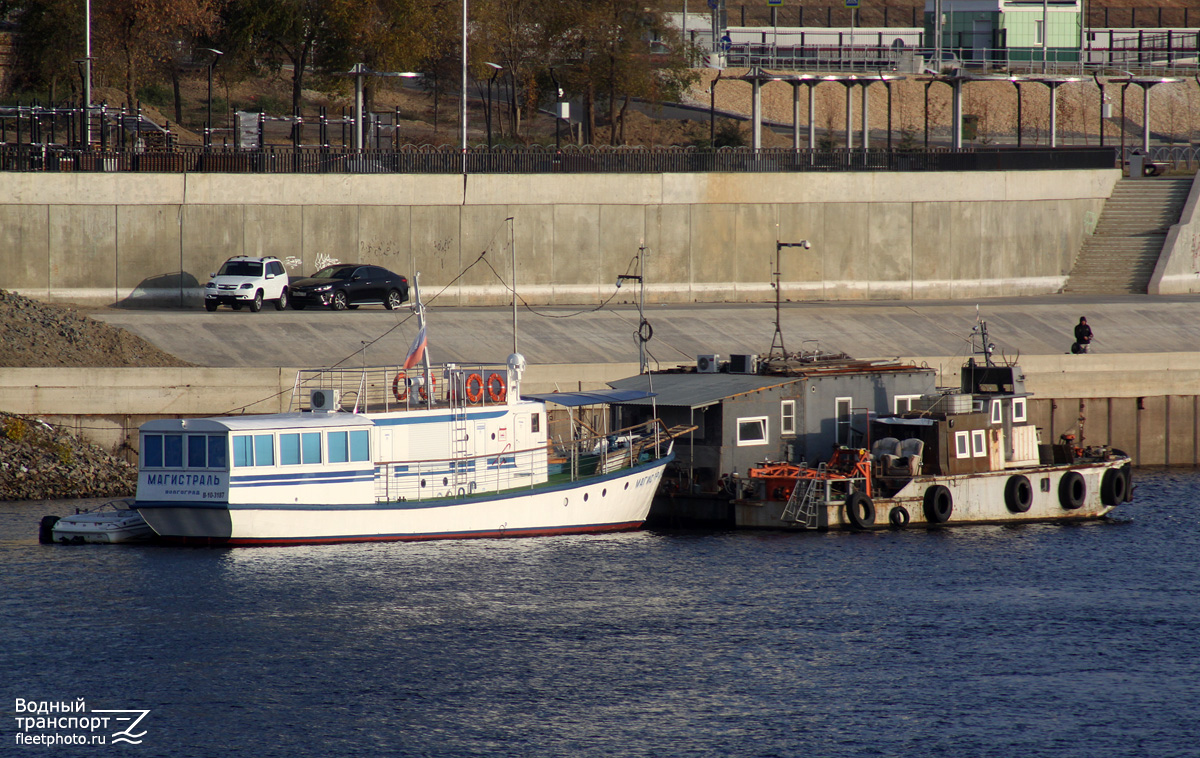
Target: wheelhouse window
<point x="256" y="450"/>
<point x="339" y="447"/>
<point x="752" y="431"/>
<point x="978" y="443"/>
<point x="183" y="451"/>
<point x="289" y="449"/>
<point x="360" y="445"/>
<point x="1019" y="411"/>
<point x="962" y="444"/>
<point x="997" y="411"/>
<point x="310" y="447"/>
<point x="787" y="417"/>
<point x="173" y="450"/>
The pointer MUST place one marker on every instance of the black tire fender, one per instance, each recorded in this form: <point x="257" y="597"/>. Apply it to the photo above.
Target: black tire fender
<point x="1018" y="494"/>
<point x="898" y="517"/>
<point x="1072" y="490"/>
<point x="939" y="504"/>
<point x="860" y="511"/>
<point x="1114" y="487"/>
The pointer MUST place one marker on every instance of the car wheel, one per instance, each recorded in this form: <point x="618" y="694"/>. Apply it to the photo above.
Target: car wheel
<point x="394" y="300"/>
<point x="338" y="302"/>
<point x="256" y="303"/>
<point x="281" y="303"/>
<point x="210" y="305"/>
<point x="298" y="306"/>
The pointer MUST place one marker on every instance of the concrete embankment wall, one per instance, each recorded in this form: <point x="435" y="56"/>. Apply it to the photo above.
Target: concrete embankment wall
<point x="154" y="239"/>
<point x="1178" y="269"/>
<point x="1144" y="404"/>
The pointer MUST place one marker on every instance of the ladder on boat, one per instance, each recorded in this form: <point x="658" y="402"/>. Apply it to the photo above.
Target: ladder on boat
<point x="802" y="506"/>
<point x="459" y="440"/>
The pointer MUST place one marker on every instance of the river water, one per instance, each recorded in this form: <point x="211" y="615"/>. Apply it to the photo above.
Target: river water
<point x="1040" y="640"/>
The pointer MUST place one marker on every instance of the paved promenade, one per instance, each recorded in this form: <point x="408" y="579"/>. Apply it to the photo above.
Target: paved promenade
<point x="1029" y="326"/>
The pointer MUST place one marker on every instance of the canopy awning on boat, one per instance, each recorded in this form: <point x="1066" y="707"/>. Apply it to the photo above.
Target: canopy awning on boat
<point x="906" y="421"/>
<point x="595" y="397"/>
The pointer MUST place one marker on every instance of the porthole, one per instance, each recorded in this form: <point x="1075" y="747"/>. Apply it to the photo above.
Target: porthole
<point x="566" y="501"/>
<point x="493" y="435"/>
<point x="626" y="485"/>
<point x="585" y="496"/>
<point x="445" y="480"/>
<point x="604" y="492"/>
<point x="422" y="482"/>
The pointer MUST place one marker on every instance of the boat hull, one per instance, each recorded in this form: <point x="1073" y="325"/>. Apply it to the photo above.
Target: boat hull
<point x="974" y="498"/>
<point x="614" y="502"/>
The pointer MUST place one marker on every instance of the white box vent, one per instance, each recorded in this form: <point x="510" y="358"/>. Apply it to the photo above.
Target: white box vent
<point x="324" y="400"/>
<point x="708" y="364"/>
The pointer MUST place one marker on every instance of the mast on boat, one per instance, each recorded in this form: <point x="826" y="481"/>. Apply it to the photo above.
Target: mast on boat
<point x="419" y="309"/>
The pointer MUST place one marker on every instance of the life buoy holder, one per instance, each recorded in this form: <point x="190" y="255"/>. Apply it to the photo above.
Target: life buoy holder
<point x="474" y="387"/>
<point x="496" y="388"/>
<point x="1114" y="487"/>
<point x="860" y="510"/>
<point x="432" y="384"/>
<point x="939" y="504"/>
<point x="1072" y="490"/>
<point x="898" y="517"/>
<point x="1018" y="493"/>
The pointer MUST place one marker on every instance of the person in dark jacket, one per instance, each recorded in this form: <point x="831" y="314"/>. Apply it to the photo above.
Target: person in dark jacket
<point x="1083" y="336"/>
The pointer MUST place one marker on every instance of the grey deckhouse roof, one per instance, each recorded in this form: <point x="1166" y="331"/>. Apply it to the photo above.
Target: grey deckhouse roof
<point x="698" y="390"/>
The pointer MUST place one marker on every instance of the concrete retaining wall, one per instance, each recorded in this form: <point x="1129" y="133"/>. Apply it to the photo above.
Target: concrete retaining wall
<point x="154" y="239"/>
<point x="1178" y="269"/>
<point x="1146" y="405"/>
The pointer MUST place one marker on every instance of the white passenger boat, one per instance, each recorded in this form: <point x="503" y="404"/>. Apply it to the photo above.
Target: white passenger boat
<point x="114" y="522"/>
<point x="402" y="453"/>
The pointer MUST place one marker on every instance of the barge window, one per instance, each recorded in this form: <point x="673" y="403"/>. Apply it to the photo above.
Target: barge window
<point x="310" y="447"/>
<point x="339" y="451"/>
<point x="1019" y="409"/>
<point x="978" y="443"/>
<point x="787" y="417"/>
<point x="264" y="450"/>
<point x="173" y="450"/>
<point x="962" y="444"/>
<point x="752" y="431"/>
<point x="152" y="451"/>
<point x="903" y="403"/>
<point x="289" y="449"/>
<point x="360" y="445"/>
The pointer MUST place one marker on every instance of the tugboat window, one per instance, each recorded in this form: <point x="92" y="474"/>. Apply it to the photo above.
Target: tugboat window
<point x="1018" y="409"/>
<point x="752" y="431"/>
<point x="962" y="444"/>
<point x="997" y="412"/>
<point x="978" y="444"/>
<point x="903" y="403"/>
<point x="787" y="417"/>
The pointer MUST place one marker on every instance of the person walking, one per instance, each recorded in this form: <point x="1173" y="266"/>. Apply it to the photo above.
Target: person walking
<point x="1083" y="336"/>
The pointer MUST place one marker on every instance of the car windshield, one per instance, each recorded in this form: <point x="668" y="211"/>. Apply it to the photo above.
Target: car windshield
<point x="241" y="268"/>
<point x="334" y="272"/>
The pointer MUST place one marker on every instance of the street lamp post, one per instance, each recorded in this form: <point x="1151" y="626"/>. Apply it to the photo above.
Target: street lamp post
<point x="496" y="69"/>
<point x="216" y="55"/>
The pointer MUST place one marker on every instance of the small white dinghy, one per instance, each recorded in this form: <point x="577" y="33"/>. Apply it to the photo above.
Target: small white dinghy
<point x="115" y="521"/>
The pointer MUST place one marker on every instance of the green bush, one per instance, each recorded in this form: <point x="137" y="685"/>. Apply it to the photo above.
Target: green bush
<point x="155" y="94"/>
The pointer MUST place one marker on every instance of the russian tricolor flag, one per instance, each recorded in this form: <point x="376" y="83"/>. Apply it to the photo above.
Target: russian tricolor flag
<point x="417" y="350"/>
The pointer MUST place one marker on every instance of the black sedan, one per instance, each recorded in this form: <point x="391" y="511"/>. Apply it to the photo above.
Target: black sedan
<point x="349" y="285"/>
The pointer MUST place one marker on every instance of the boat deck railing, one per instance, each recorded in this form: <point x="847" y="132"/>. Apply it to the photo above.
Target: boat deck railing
<point x="558" y="462"/>
<point x="393" y="388"/>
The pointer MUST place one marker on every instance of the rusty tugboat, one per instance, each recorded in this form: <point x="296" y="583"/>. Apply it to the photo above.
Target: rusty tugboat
<point x="892" y="449"/>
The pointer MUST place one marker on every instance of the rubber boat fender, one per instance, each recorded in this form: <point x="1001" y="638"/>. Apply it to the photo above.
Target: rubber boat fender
<point x="1072" y="490"/>
<point x="46" y="529"/>
<point x="474" y="388"/>
<point x="939" y="504"/>
<point x="1114" y="487"/>
<point x="860" y="510"/>
<point x="1128" y="469"/>
<point x="496" y="389"/>
<point x="898" y="517"/>
<point x="1018" y="493"/>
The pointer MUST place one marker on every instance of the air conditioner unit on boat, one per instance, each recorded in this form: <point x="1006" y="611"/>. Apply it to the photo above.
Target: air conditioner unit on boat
<point x="708" y="364"/>
<point x="743" y="364"/>
<point x="324" y="400"/>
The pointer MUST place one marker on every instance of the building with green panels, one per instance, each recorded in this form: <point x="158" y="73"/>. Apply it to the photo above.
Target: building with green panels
<point x="1004" y="31"/>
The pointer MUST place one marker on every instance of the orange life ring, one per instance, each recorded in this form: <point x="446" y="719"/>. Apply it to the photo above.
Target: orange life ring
<point x="400" y="380"/>
<point x="496" y="389"/>
<point x="474" y="387"/>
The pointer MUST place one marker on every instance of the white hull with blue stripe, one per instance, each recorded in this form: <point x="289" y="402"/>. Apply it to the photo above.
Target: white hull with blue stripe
<point x="476" y="461"/>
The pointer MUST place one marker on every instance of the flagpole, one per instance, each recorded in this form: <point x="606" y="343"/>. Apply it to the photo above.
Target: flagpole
<point x="420" y="308"/>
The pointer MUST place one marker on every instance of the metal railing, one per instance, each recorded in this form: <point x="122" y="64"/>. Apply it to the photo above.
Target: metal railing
<point x="394" y="388"/>
<point x="547" y="160"/>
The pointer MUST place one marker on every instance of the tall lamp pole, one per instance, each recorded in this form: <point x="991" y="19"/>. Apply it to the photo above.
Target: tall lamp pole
<point x="463" y="104"/>
<point x="87" y="72"/>
<point x="777" y="339"/>
<point x="496" y="69"/>
<point x="216" y="55"/>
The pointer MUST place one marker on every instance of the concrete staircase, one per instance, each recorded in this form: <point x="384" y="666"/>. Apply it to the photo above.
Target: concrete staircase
<point x="1121" y="254"/>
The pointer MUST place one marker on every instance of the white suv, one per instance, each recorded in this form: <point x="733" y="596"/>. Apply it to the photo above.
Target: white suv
<point x="243" y="280"/>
